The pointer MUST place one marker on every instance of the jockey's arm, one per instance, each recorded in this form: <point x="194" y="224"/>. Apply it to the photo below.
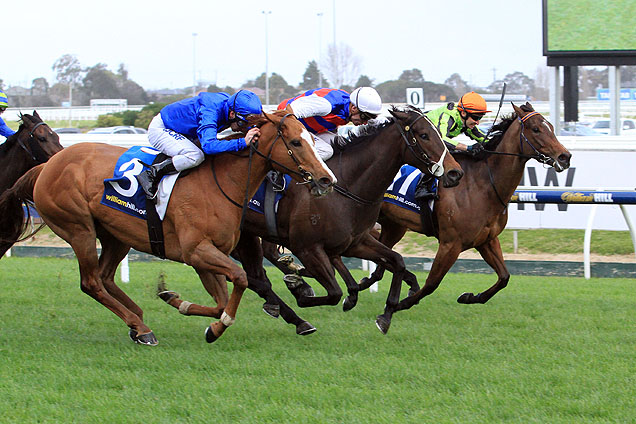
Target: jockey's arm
<point x="477" y="135"/>
<point x="308" y="106"/>
<point x="5" y="131"/>
<point x="207" y="132"/>
<point x="446" y="123"/>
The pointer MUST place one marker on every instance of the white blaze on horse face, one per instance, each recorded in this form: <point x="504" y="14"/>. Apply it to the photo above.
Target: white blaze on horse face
<point x="438" y="167"/>
<point x="305" y="135"/>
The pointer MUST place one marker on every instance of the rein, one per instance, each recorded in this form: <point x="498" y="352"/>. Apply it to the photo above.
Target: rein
<point x="254" y="149"/>
<point x="435" y="168"/>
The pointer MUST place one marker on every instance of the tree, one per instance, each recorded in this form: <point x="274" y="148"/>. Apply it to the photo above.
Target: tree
<point x="39" y="87"/>
<point x="313" y="78"/>
<point x="100" y="83"/>
<point x="458" y="85"/>
<point x="341" y="65"/>
<point x="122" y="72"/>
<point x="364" y="81"/>
<point x="413" y="76"/>
<point x="68" y="70"/>
<point x="516" y="82"/>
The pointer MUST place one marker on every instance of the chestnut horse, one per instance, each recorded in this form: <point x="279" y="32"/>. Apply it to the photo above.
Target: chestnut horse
<point x="34" y="143"/>
<point x="473" y="214"/>
<point x="319" y="231"/>
<point x="201" y="225"/>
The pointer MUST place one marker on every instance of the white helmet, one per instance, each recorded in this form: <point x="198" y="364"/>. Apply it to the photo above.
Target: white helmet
<point x="367" y="100"/>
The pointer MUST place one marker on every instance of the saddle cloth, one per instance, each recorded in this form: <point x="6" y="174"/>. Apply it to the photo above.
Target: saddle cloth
<point x="401" y="192"/>
<point x="123" y="192"/>
<point x="257" y="203"/>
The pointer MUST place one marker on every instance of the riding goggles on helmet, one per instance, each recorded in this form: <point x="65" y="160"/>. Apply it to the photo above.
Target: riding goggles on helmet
<point x="366" y="116"/>
<point x="476" y="116"/>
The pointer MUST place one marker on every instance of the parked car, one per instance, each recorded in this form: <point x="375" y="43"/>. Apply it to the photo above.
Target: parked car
<point x="118" y="130"/>
<point x="577" y="129"/>
<point x="628" y="126"/>
<point x="67" y="130"/>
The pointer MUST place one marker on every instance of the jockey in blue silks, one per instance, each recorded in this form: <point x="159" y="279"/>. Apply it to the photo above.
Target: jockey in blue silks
<point x="202" y="117"/>
<point x="5" y="131"/>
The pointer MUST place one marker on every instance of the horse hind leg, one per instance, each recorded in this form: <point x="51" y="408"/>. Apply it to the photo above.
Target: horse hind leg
<point x="113" y="252"/>
<point x="215" y="285"/>
<point x="82" y="238"/>
<point x="492" y="254"/>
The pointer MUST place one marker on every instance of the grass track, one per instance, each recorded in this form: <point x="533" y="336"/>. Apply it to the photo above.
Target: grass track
<point x="558" y="350"/>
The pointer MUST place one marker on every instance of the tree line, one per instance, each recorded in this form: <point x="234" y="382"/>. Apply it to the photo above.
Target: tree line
<point x="79" y="84"/>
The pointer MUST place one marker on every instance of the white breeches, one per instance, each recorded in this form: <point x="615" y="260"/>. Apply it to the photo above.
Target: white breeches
<point x="184" y="153"/>
<point x="323" y="144"/>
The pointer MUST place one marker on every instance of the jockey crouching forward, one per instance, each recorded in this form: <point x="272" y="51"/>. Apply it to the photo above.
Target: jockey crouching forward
<point x="453" y="120"/>
<point x="202" y="117"/>
<point x="5" y="131"/>
<point x="323" y="110"/>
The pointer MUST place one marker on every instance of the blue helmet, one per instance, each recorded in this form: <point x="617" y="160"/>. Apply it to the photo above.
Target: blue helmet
<point x="245" y="103"/>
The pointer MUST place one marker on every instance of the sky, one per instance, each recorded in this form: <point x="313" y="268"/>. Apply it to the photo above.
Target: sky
<point x="478" y="39"/>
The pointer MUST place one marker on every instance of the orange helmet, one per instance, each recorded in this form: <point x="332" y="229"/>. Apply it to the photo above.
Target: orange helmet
<point x="472" y="103"/>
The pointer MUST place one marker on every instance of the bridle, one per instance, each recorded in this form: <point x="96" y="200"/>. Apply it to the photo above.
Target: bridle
<point x="435" y="168"/>
<point x="37" y="153"/>
<point x="300" y="171"/>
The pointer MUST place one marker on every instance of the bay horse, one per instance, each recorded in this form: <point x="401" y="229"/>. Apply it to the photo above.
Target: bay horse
<point x="319" y="231"/>
<point x="201" y="225"/>
<point x="33" y="143"/>
<point x="474" y="213"/>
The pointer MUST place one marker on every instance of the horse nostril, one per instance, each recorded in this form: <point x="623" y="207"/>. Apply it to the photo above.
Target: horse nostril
<point x="564" y="158"/>
<point x="327" y="182"/>
<point x="455" y="174"/>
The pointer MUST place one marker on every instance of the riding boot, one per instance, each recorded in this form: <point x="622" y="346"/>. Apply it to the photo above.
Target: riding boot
<point x="150" y="178"/>
<point x="424" y="188"/>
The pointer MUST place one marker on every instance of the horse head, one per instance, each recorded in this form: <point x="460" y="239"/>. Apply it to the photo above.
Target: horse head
<point x="292" y="151"/>
<point x="426" y="150"/>
<point x="538" y="134"/>
<point x="37" y="138"/>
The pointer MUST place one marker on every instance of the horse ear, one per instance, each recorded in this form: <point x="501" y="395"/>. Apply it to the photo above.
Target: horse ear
<point x="288" y="109"/>
<point x="36" y="114"/>
<point x="517" y="109"/>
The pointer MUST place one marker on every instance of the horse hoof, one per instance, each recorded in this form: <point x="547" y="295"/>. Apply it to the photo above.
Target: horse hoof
<point x="168" y="295"/>
<point x="383" y="324"/>
<point x="349" y="303"/>
<point x="465" y="298"/>
<point x="271" y="310"/>
<point x="305" y="328"/>
<point x="148" y="339"/>
<point x="209" y="335"/>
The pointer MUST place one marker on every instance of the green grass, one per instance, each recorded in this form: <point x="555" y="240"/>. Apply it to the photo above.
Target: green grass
<point x="541" y="242"/>
<point x="557" y="350"/>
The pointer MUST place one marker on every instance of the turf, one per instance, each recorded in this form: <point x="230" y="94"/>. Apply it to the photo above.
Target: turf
<point x="558" y="350"/>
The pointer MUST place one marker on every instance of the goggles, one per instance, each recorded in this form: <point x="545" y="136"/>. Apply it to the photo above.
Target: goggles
<point x="476" y="116"/>
<point x="2" y="109"/>
<point x="366" y="116"/>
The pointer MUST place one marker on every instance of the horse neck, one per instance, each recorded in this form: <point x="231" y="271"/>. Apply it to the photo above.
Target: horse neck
<point x="232" y="173"/>
<point x="368" y="169"/>
<point x="507" y="170"/>
<point x="17" y="163"/>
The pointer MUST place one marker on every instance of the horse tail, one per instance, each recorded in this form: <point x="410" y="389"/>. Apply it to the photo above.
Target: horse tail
<point x="13" y="224"/>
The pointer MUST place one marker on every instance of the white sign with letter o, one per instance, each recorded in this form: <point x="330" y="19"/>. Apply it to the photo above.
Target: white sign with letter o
<point x="415" y="97"/>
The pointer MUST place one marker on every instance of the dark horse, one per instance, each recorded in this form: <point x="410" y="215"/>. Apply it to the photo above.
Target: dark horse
<point x="34" y="143"/>
<point x="319" y="231"/>
<point x="474" y="213"/>
<point x="201" y="225"/>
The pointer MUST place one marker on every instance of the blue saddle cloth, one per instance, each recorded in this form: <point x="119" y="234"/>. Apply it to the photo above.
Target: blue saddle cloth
<point x="257" y="202"/>
<point x="401" y="192"/>
<point x="123" y="192"/>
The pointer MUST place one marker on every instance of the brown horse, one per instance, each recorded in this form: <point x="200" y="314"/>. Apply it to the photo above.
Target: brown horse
<point x="201" y="225"/>
<point x="319" y="231"/>
<point x="474" y="213"/>
<point x="34" y="143"/>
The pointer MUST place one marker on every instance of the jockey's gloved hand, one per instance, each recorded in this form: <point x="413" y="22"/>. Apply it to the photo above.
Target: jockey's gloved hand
<point x="475" y="149"/>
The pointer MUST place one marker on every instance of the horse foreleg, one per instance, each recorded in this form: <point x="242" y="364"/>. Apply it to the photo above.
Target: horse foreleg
<point x="352" y="287"/>
<point x="371" y="249"/>
<point x="445" y="257"/>
<point x="206" y="258"/>
<point x="215" y="285"/>
<point x="492" y="254"/>
<point x="318" y="263"/>
<point x="293" y="273"/>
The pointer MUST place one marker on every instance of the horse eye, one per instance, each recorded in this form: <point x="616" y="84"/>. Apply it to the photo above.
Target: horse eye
<point x="296" y="143"/>
<point x="535" y="129"/>
<point x="424" y="136"/>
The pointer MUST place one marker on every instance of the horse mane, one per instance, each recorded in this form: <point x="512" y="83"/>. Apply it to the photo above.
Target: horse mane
<point x="498" y="130"/>
<point x="10" y="141"/>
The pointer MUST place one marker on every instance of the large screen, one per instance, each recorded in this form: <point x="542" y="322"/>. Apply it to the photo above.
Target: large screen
<point x="589" y="27"/>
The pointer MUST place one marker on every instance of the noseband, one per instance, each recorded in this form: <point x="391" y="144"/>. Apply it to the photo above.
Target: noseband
<point x="435" y="168"/>
<point x="37" y="153"/>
